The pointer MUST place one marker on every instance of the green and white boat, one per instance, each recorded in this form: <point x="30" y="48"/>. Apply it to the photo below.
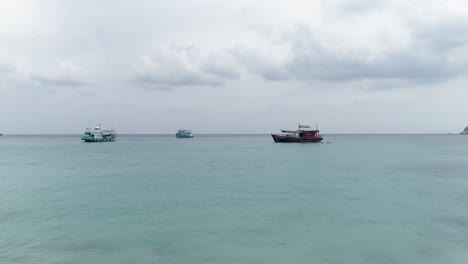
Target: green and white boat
<point x="98" y="135"/>
<point x="184" y="133"/>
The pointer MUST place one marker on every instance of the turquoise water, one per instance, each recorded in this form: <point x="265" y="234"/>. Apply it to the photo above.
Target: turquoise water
<point x="234" y="199"/>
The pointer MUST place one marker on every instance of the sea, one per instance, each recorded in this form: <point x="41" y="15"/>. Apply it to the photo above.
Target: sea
<point x="360" y="199"/>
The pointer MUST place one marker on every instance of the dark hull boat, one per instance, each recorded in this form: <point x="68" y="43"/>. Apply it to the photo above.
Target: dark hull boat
<point x="302" y="135"/>
<point x="290" y="139"/>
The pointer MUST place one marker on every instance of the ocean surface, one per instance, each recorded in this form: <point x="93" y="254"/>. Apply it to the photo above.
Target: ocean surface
<point x="234" y="199"/>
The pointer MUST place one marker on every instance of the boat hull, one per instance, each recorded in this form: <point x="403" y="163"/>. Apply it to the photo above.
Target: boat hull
<point x="88" y="139"/>
<point x="289" y="139"/>
<point x="179" y="136"/>
<point x="99" y="140"/>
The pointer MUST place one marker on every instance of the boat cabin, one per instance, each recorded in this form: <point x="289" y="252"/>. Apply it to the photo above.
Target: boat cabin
<point x="302" y="134"/>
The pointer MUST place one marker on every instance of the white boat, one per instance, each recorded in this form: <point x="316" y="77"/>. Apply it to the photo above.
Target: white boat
<point x="184" y="133"/>
<point x="97" y="135"/>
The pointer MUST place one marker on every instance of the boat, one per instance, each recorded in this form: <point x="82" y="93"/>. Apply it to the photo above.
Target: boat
<point x="97" y="135"/>
<point x="184" y="133"/>
<point x="302" y="135"/>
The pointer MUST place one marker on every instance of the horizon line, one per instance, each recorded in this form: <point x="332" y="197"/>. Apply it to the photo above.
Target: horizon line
<point x="165" y="134"/>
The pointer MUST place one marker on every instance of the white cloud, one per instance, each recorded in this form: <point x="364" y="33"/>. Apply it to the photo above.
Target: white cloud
<point x="65" y="74"/>
<point x="6" y="68"/>
<point x="174" y="66"/>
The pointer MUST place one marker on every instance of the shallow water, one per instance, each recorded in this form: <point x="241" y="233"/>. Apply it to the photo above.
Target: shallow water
<point x="234" y="199"/>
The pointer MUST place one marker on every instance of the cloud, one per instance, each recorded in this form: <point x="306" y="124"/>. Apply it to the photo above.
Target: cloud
<point x="175" y="66"/>
<point x="260" y="64"/>
<point x="359" y="6"/>
<point x="262" y="67"/>
<point x="66" y="74"/>
<point x="418" y="52"/>
<point x="340" y="58"/>
<point x="444" y="35"/>
<point x="312" y="59"/>
<point x="222" y="66"/>
<point x="6" y="68"/>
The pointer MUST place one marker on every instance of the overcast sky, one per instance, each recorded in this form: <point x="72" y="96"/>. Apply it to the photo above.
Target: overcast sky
<point x="234" y="66"/>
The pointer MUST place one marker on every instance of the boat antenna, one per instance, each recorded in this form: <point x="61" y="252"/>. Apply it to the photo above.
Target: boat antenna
<point x="316" y="126"/>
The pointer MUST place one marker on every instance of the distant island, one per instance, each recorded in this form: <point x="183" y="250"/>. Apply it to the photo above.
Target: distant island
<point x="465" y="131"/>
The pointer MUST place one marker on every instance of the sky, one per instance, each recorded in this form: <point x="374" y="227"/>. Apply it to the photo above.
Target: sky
<point x="243" y="66"/>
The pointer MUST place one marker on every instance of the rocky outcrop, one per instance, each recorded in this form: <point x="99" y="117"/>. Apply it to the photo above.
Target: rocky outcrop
<point x="465" y="131"/>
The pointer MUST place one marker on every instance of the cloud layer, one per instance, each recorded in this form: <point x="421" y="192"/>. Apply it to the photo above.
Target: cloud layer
<point x="246" y="66"/>
<point x="429" y="53"/>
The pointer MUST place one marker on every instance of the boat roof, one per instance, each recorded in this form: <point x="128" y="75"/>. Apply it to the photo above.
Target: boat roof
<point x="299" y="131"/>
